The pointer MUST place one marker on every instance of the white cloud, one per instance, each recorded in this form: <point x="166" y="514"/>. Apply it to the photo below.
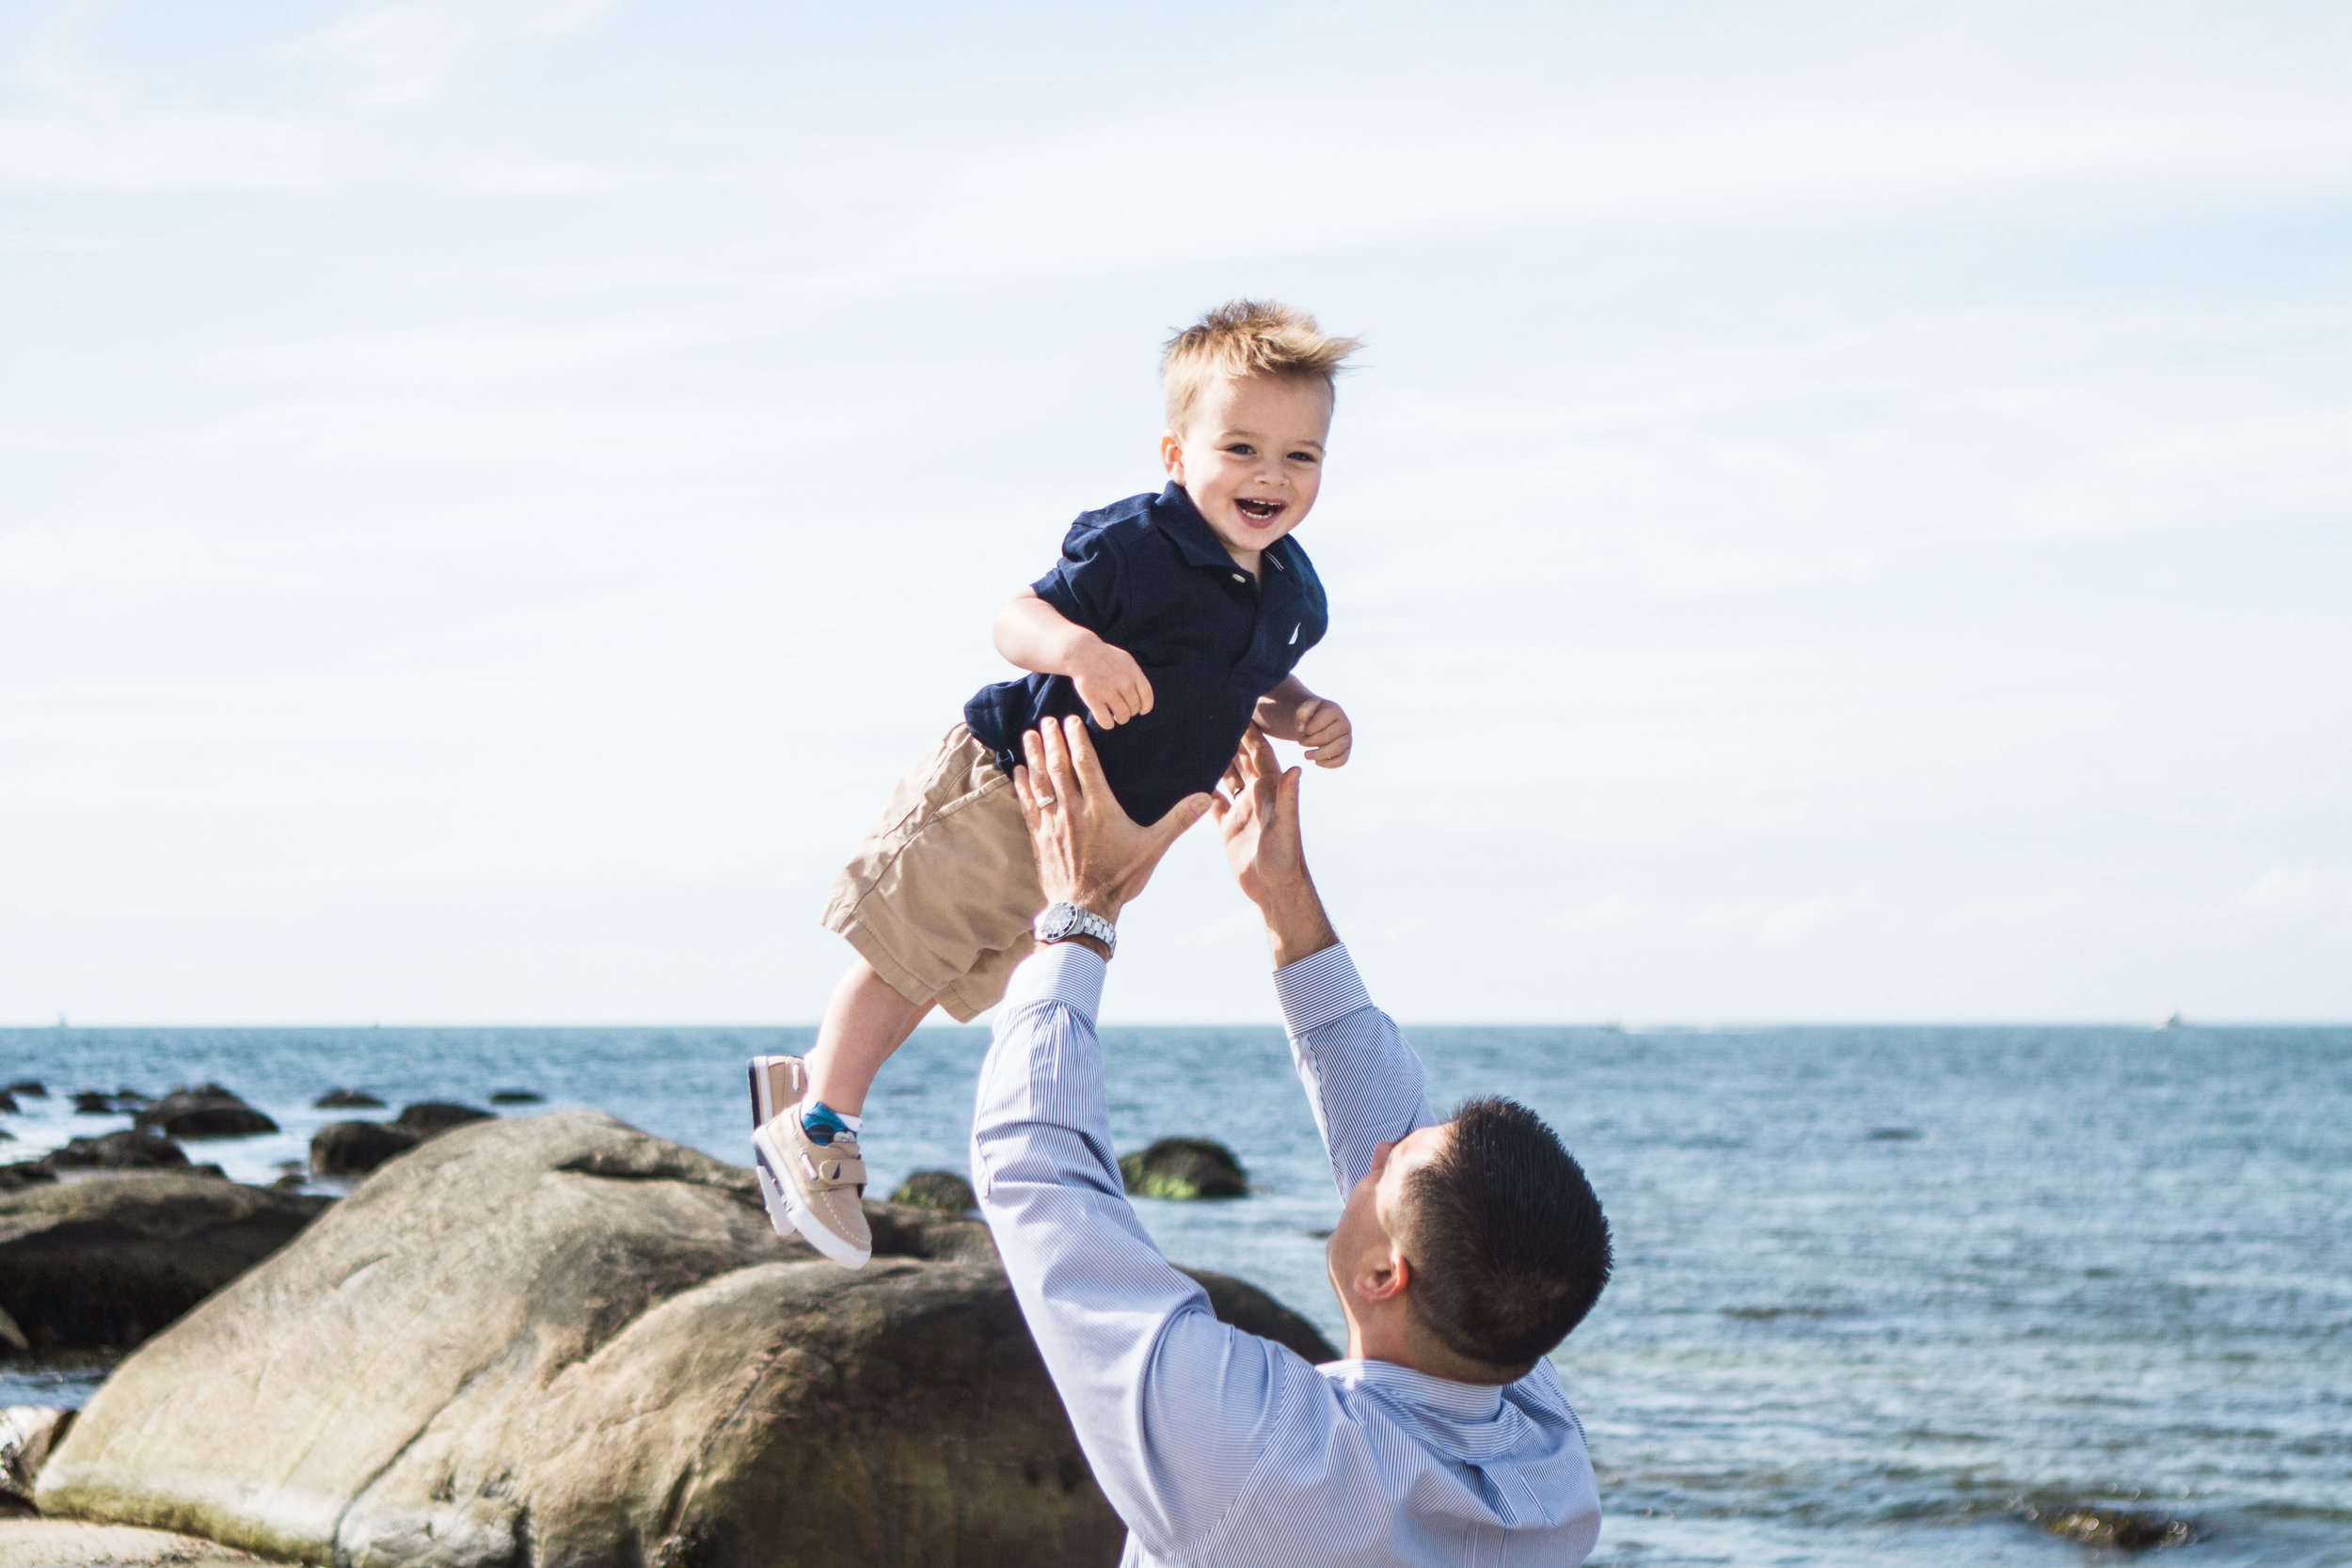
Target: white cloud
<point x="125" y="150"/>
<point x="408" y="52"/>
<point x="1781" y="924"/>
<point x="440" y="356"/>
<point x="2293" y="890"/>
<point x="23" y="553"/>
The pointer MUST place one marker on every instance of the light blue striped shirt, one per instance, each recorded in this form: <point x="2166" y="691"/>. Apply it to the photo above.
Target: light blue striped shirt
<point x="1215" y="1445"/>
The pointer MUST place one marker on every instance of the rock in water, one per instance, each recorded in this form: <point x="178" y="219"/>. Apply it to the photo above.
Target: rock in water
<point x="357" y="1147"/>
<point x="2127" y="1529"/>
<point x="8" y="1103"/>
<point x="31" y="1088"/>
<point x="559" y="1340"/>
<point x="429" y="1116"/>
<point x="24" y="1173"/>
<point x="206" y="1111"/>
<point x="1183" y="1169"/>
<point x="104" y="1262"/>
<point x="89" y="1102"/>
<point x="515" y="1097"/>
<point x="127" y="1151"/>
<point x="346" y="1100"/>
<point x="943" y="1190"/>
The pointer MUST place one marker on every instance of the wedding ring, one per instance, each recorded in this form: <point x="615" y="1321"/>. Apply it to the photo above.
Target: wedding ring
<point x="1045" y="801"/>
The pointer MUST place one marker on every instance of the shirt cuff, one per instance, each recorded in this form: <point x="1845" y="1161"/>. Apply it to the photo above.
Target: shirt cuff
<point x="1320" y="987"/>
<point x="1064" y="972"/>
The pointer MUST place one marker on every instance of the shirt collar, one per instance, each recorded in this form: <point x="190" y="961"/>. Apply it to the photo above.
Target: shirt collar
<point x="1198" y="545"/>
<point x="1438" y="1395"/>
<point x="1187" y="530"/>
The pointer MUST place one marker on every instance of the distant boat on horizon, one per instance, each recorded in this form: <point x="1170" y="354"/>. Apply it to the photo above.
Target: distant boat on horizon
<point x="2173" y="1020"/>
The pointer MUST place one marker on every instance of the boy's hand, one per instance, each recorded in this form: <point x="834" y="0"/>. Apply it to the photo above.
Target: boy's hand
<point x="1110" y="682"/>
<point x="1291" y="712"/>
<point x="1036" y="635"/>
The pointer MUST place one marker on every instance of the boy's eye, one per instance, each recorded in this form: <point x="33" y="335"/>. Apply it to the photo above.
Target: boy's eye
<point x="1302" y="457"/>
<point x="1242" y="449"/>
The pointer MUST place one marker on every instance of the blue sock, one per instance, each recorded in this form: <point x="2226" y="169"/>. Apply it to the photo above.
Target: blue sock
<point x="821" y="1121"/>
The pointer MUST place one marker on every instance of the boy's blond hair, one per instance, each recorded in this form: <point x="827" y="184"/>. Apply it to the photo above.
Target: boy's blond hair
<point x="1246" y="337"/>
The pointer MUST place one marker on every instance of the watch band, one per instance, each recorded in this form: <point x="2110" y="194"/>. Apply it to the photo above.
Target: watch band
<point x="1065" y="919"/>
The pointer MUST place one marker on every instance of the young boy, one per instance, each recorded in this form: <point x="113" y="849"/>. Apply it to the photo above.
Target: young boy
<point x="1173" y="622"/>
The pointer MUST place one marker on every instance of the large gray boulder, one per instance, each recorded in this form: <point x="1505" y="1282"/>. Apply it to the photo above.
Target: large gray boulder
<point x="104" y="1262"/>
<point x="560" y="1340"/>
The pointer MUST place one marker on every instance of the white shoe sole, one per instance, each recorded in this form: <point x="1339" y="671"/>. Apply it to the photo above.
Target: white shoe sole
<point x="775" y="1184"/>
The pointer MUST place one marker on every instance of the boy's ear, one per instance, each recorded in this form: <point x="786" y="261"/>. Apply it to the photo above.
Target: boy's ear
<point x="1173" y="456"/>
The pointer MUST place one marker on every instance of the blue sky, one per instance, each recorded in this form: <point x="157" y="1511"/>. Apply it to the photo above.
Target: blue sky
<point x="1847" y="513"/>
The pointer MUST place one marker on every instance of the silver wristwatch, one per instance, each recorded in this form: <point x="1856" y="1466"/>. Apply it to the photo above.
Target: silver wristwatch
<point x="1067" y="920"/>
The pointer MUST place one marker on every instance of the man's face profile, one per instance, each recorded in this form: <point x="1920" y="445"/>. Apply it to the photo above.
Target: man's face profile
<point x="1374" y="1216"/>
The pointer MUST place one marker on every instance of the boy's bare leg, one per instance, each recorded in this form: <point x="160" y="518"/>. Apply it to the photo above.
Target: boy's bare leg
<point x="865" y="1023"/>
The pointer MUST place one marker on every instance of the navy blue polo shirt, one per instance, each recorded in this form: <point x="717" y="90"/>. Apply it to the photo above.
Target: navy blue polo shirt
<point x="1146" y="575"/>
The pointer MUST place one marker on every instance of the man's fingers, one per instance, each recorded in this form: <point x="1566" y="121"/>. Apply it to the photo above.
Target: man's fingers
<point x="1022" y="793"/>
<point x="1181" y="815"/>
<point x="1259" y="750"/>
<point x="1088" y="766"/>
<point x="1059" y="779"/>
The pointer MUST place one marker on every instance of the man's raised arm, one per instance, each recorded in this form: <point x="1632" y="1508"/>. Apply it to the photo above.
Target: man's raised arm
<point x="1362" y="1080"/>
<point x="1173" y="1408"/>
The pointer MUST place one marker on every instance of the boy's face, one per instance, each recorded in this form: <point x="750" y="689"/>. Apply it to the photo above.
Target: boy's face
<point x="1250" y="456"/>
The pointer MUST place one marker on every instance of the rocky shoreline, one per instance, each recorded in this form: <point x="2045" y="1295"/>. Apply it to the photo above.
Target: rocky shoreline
<point x="552" y="1338"/>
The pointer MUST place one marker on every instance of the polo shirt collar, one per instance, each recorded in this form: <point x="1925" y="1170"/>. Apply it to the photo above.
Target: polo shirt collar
<point x="1187" y="530"/>
<point x="1196" y="542"/>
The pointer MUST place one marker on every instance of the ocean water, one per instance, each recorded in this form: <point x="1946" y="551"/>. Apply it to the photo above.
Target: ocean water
<point x="1882" y="1294"/>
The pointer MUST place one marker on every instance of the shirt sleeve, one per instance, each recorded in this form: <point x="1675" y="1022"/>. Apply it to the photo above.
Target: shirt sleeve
<point x="1364" y="1081"/>
<point x="1175" y="1409"/>
<point x="1087" y="585"/>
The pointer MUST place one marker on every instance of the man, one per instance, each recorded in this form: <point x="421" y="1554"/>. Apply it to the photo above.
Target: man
<point x="1467" y="1249"/>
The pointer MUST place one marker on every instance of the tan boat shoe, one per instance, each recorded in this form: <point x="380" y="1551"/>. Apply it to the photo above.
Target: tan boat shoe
<point x="816" y="1185"/>
<point x="777" y="1082"/>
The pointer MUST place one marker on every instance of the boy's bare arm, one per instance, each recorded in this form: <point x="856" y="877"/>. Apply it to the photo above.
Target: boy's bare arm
<point x="1291" y="712"/>
<point x="1036" y="637"/>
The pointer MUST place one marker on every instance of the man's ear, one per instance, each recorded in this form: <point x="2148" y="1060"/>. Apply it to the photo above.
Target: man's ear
<point x="1386" y="1281"/>
<point x="1173" y="456"/>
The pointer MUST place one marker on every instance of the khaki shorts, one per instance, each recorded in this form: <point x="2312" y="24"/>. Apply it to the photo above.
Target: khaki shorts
<point x="940" y="896"/>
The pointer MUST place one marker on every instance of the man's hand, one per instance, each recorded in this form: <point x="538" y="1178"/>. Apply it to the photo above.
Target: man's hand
<point x="1110" y="682"/>
<point x="1089" y="851"/>
<point x="1291" y="712"/>
<point x="1263" y="846"/>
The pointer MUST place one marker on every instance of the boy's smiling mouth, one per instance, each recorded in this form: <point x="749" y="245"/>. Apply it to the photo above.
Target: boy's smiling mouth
<point x="1260" y="511"/>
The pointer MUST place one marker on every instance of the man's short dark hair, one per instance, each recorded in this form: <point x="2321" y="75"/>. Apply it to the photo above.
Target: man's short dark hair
<point x="1508" y="1246"/>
